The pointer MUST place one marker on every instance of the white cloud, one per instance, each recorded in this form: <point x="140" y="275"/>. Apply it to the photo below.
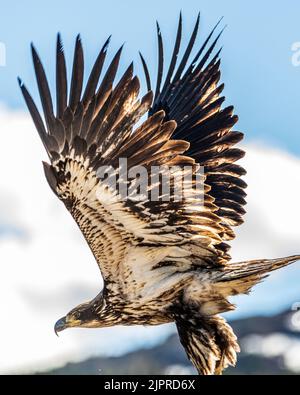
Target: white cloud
<point x="275" y="345"/>
<point x="46" y="268"/>
<point x="271" y="227"/>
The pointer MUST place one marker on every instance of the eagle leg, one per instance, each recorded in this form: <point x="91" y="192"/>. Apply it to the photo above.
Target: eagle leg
<point x="209" y="342"/>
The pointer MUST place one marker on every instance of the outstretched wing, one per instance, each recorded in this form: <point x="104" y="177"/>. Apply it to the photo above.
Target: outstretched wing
<point x="147" y="241"/>
<point x="95" y="128"/>
<point x="191" y="95"/>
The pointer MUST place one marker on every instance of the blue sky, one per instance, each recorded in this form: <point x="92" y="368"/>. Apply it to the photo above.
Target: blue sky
<point x="258" y="73"/>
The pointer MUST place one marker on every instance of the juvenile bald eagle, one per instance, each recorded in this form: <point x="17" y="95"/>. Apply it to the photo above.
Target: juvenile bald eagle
<point x="161" y="260"/>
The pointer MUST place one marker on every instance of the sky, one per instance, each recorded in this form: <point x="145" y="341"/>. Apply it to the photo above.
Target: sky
<point x="45" y="266"/>
<point x="260" y="78"/>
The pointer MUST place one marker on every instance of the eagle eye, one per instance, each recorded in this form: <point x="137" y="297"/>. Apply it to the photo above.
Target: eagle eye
<point x="76" y="315"/>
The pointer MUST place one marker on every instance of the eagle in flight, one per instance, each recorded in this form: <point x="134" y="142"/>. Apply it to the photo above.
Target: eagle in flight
<point x="162" y="260"/>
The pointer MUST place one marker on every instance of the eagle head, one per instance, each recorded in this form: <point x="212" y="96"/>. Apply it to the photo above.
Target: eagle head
<point x="93" y="314"/>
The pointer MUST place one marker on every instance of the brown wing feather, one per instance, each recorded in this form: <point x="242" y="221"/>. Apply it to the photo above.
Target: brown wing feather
<point x="193" y="99"/>
<point x="97" y="129"/>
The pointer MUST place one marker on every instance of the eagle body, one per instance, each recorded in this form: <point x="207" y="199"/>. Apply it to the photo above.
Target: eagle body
<point x="162" y="259"/>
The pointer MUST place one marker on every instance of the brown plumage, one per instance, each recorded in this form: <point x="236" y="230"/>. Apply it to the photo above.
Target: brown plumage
<point x="161" y="260"/>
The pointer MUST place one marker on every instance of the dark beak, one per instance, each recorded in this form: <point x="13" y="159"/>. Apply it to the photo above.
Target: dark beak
<point x="60" y="325"/>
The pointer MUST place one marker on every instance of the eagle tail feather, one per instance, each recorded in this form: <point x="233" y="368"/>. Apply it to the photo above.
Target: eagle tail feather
<point x="240" y="277"/>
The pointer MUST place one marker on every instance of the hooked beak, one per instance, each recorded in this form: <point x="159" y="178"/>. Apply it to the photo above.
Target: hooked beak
<point x="60" y="325"/>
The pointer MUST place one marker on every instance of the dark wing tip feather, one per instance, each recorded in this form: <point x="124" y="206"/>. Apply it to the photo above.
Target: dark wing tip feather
<point x="105" y="46"/>
<point x="130" y="68"/>
<point x="35" y="57"/>
<point x="43" y="87"/>
<point x="110" y="75"/>
<point x="20" y="82"/>
<point x="77" y="74"/>
<point x="93" y="80"/>
<point x="160" y="60"/>
<point x="146" y="71"/>
<point x="188" y="50"/>
<point x="59" y="42"/>
<point x="32" y="47"/>
<point x="61" y="78"/>
<point x="218" y="23"/>
<point x="180" y="17"/>
<point x="206" y="42"/>
<point x="39" y="124"/>
<point x="117" y="56"/>
<point x="174" y="55"/>
<point x="78" y="39"/>
<point x="120" y="49"/>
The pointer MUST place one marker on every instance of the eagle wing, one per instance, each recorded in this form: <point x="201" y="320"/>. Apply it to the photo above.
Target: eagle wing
<point x="192" y="96"/>
<point x="95" y="127"/>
